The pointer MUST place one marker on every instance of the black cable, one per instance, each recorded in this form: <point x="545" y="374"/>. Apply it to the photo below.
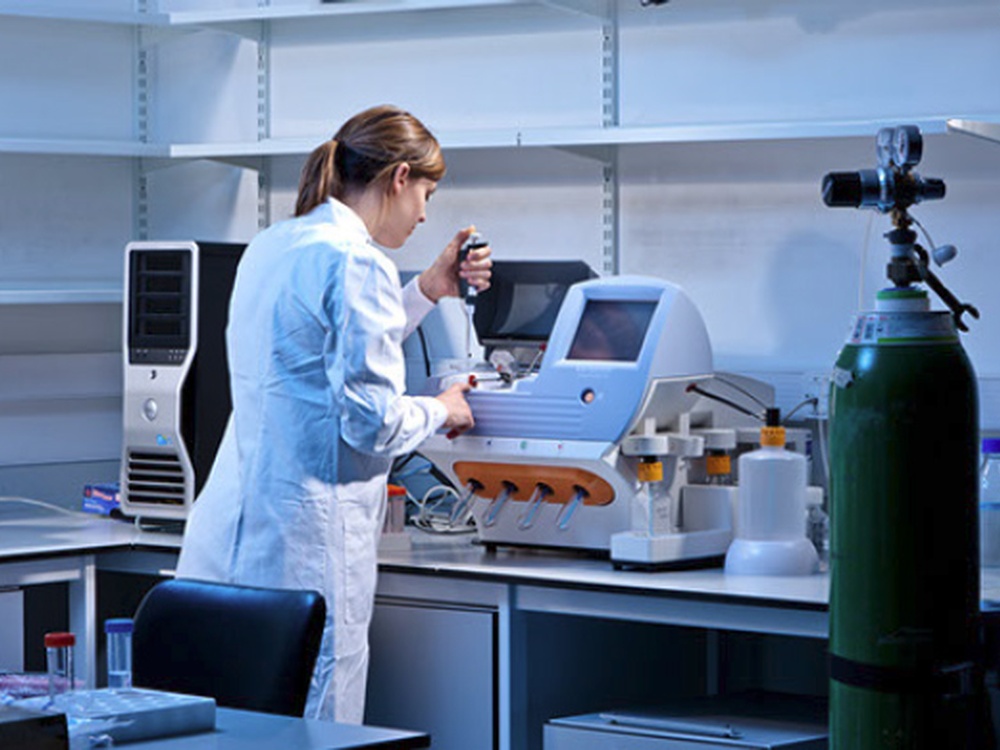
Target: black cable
<point x="402" y="461"/>
<point x="423" y="348"/>
<point x="721" y="399"/>
<point x="741" y="389"/>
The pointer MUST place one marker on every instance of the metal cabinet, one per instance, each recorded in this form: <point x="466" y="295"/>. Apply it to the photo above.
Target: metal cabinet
<point x="433" y="668"/>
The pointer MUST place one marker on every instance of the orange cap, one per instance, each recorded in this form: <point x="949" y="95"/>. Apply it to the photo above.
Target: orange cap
<point x="716" y="465"/>
<point x="772" y="436"/>
<point x="650" y="471"/>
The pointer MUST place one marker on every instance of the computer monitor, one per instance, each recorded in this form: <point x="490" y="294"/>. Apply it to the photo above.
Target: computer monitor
<point x="524" y="297"/>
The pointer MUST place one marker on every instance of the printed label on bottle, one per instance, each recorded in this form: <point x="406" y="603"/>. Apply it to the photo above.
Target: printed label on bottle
<point x="903" y="328"/>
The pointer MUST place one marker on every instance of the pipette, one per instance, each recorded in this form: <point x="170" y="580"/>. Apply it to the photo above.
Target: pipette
<point x="468" y="292"/>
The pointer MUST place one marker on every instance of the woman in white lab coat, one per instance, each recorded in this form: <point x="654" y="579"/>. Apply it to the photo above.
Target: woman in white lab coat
<point x="297" y="494"/>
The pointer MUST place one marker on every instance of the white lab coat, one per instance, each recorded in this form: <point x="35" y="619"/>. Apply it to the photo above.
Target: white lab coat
<point x="296" y="496"/>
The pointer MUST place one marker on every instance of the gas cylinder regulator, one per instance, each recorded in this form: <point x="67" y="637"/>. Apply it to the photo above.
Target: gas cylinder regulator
<point x="892" y="188"/>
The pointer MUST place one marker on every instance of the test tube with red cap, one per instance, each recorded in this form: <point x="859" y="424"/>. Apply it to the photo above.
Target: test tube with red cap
<point x="59" y="663"/>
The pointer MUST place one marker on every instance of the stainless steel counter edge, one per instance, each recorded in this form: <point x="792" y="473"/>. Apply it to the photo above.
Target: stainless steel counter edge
<point x="57" y="534"/>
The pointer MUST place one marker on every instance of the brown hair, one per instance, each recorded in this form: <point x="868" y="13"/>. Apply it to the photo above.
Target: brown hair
<point x="368" y="148"/>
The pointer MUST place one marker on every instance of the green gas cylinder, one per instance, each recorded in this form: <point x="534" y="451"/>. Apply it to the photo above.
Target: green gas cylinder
<point x="904" y="580"/>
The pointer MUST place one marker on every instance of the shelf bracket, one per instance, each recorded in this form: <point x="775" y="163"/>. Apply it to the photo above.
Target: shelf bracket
<point x="610" y="118"/>
<point x="263" y="119"/>
<point x="610" y="53"/>
<point x="140" y="207"/>
<point x="140" y="126"/>
<point x="610" y="223"/>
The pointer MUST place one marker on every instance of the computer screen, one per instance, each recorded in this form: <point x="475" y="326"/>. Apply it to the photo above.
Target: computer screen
<point x="530" y="311"/>
<point x="611" y="330"/>
<point x="524" y="298"/>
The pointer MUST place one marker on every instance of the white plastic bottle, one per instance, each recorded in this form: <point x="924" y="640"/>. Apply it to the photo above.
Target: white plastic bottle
<point x="119" y="647"/>
<point x="770" y="534"/>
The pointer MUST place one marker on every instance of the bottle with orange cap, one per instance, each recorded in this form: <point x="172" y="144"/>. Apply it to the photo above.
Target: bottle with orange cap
<point x="394" y="536"/>
<point x="395" y="514"/>
<point x="770" y="534"/>
<point x="653" y="508"/>
<point x="719" y="443"/>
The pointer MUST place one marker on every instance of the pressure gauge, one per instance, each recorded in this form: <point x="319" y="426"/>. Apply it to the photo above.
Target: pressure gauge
<point x="883" y="146"/>
<point x="907" y="146"/>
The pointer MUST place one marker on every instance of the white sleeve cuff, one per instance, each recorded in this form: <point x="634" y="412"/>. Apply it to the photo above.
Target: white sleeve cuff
<point x="416" y="305"/>
<point x="437" y="412"/>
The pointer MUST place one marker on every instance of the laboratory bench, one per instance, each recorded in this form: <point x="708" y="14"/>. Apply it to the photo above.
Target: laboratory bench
<point x="247" y="730"/>
<point x="528" y="635"/>
<point x="481" y="647"/>
<point x="43" y="545"/>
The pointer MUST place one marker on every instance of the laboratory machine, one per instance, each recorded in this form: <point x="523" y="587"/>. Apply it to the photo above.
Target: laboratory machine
<point x="176" y="389"/>
<point x="595" y="443"/>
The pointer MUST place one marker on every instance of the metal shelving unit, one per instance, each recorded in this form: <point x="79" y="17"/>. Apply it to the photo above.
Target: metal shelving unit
<point x="601" y="141"/>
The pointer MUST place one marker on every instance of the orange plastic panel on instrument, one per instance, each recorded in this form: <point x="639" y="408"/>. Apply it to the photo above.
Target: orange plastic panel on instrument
<point x="563" y="480"/>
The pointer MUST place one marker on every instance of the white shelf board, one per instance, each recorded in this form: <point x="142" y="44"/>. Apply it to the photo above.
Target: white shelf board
<point x="317" y="10"/>
<point x="582" y="137"/>
<point x="73" y="147"/>
<point x="716" y="132"/>
<point x="979" y="128"/>
<point x="269" y="147"/>
<point x="499" y="138"/>
<point x="61" y="292"/>
<point x="563" y="137"/>
<point x="78" y="12"/>
<point x="320" y="10"/>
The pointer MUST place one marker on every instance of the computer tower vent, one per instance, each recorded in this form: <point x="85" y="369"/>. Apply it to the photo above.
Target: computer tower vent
<point x="155" y="478"/>
<point x="159" y="315"/>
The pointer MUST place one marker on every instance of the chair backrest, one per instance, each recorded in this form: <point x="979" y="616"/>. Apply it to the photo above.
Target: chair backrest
<point x="247" y="647"/>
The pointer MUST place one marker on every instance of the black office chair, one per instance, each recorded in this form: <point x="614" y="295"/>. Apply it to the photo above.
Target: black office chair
<point x="247" y="647"/>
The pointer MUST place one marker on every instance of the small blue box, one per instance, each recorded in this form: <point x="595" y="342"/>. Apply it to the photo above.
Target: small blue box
<point x="101" y="498"/>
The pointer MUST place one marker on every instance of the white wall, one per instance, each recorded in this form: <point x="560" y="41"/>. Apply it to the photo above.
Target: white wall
<point x="64" y="218"/>
<point x="739" y="223"/>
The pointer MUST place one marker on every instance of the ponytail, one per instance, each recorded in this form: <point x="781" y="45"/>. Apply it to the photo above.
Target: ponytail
<point x="319" y="178"/>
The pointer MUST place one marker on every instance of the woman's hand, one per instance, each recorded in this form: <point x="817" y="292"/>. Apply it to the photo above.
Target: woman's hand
<point x="459" y="414"/>
<point x="442" y="278"/>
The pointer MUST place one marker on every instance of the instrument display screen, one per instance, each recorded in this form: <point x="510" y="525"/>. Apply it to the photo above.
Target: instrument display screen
<point x="611" y="330"/>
